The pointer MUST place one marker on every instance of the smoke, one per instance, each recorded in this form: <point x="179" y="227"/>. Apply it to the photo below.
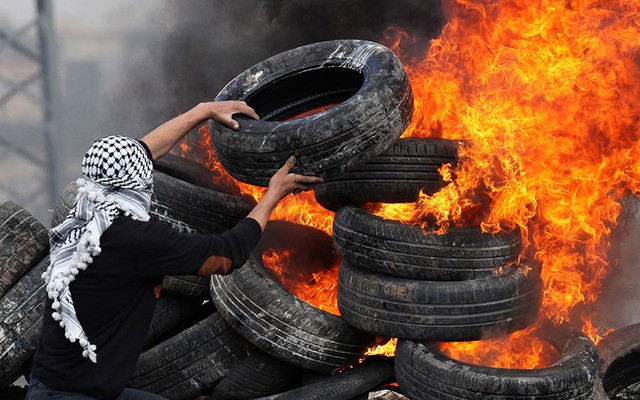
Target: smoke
<point x="203" y="46"/>
<point x="617" y="305"/>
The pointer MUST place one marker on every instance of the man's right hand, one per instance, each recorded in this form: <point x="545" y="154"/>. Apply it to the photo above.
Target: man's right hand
<point x="281" y="184"/>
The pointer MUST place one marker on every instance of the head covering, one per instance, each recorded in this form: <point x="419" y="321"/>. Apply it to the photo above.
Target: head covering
<point x="117" y="178"/>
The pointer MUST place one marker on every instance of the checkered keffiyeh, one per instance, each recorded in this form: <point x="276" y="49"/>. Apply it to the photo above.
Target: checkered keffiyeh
<point x="117" y="178"/>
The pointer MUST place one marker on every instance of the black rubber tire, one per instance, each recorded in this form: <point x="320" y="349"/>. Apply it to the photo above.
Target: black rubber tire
<point x="192" y="208"/>
<point x="21" y="313"/>
<point x="424" y="373"/>
<point x="173" y="314"/>
<point x="347" y="385"/>
<point x="187" y="207"/>
<point x="65" y="202"/>
<point x="258" y="375"/>
<point x="397" y="249"/>
<point x="192" y="172"/>
<point x="365" y="78"/>
<point x="192" y="362"/>
<point x="191" y="286"/>
<point x="283" y="325"/>
<point x="23" y="242"/>
<point x="620" y="361"/>
<point x="13" y="393"/>
<point x="396" y="176"/>
<point x="434" y="310"/>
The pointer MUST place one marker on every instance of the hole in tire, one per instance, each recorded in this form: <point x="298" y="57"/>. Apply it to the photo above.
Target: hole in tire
<point x="305" y="93"/>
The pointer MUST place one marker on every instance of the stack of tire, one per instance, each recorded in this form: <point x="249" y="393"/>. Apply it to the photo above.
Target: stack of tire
<point x="396" y="280"/>
<point x="242" y="336"/>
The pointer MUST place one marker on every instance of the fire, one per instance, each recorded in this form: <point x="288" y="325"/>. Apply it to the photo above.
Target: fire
<point x="544" y="94"/>
<point x="319" y="288"/>
<point x="520" y="350"/>
<point x="301" y="208"/>
<point x="384" y="348"/>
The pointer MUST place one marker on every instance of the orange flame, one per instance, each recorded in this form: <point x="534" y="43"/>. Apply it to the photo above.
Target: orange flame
<point x="544" y="94"/>
<point x="520" y="350"/>
<point x="301" y="208"/>
<point x="319" y="288"/>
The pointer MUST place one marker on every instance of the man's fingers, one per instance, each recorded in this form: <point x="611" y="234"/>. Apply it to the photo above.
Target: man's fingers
<point x="248" y="111"/>
<point x="308" y="180"/>
<point x="290" y="163"/>
<point x="230" y="122"/>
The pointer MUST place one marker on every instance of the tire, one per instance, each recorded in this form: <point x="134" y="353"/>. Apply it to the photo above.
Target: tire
<point x="397" y="249"/>
<point x="172" y="315"/>
<point x="23" y="242"/>
<point x="192" y="208"/>
<point x="21" y="313"/>
<point x="65" y="202"/>
<point x="192" y="362"/>
<point x="188" y="208"/>
<point x="258" y="375"/>
<point x="441" y="311"/>
<point x="192" y="172"/>
<point x="190" y="286"/>
<point x="282" y="325"/>
<point x="620" y="362"/>
<point x="396" y="176"/>
<point x="424" y="373"/>
<point x="374" y="107"/>
<point x="347" y="385"/>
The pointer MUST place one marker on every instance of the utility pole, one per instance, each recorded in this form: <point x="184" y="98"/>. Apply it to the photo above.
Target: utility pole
<point x="30" y="142"/>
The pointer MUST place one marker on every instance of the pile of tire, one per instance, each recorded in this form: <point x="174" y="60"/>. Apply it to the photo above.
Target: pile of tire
<point x="242" y="336"/>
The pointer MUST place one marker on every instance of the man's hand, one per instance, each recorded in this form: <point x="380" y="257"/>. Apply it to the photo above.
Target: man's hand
<point x="163" y="138"/>
<point x="223" y="112"/>
<point x="281" y="184"/>
<point x="284" y="182"/>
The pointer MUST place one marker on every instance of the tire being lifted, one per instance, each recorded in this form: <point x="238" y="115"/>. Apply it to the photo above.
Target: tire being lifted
<point x="364" y="80"/>
<point x="425" y="373"/>
<point x="396" y="176"/>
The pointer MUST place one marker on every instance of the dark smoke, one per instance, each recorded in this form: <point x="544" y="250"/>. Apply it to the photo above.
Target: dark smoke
<point x="207" y="43"/>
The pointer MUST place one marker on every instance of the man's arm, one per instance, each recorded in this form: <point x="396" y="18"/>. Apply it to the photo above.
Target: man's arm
<point x="163" y="138"/>
<point x="281" y="184"/>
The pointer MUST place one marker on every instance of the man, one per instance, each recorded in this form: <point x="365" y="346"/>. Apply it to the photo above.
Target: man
<point x="106" y="259"/>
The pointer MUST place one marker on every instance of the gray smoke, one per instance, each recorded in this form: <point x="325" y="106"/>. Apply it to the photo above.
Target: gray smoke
<point x="207" y="43"/>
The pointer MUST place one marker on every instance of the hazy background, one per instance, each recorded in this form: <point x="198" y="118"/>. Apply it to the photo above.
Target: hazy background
<point x="127" y="66"/>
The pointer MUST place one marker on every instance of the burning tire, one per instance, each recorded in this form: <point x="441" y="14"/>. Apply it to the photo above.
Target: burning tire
<point x="23" y="242"/>
<point x="620" y="362"/>
<point x="393" y="248"/>
<point x="396" y="176"/>
<point x="256" y="376"/>
<point x="21" y="312"/>
<point x="281" y="324"/>
<point x="194" y="208"/>
<point x="442" y="311"/>
<point x="192" y="172"/>
<point x="366" y="81"/>
<point x="425" y="373"/>
<point x="192" y="362"/>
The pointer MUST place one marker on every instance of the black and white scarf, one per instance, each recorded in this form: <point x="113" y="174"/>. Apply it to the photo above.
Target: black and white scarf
<point x="116" y="178"/>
